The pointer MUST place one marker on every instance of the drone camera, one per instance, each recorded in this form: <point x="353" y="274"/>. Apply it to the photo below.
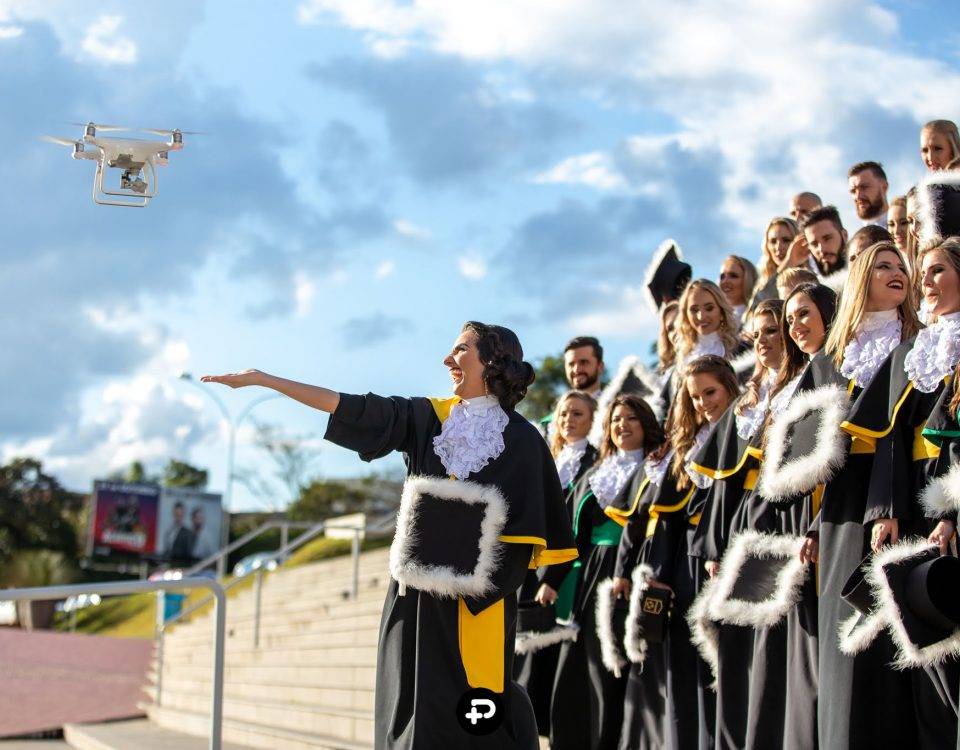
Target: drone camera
<point x="129" y="181"/>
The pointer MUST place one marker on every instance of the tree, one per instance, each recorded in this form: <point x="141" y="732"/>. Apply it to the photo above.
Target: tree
<point x="181" y="474"/>
<point x="36" y="512"/>
<point x="551" y="382"/>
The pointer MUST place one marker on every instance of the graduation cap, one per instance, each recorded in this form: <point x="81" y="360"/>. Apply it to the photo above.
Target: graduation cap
<point x="938" y="203"/>
<point x="647" y="616"/>
<point x="858" y="631"/>
<point x="805" y="445"/>
<point x="447" y="537"/>
<point x="537" y="628"/>
<point x="916" y="591"/>
<point x="760" y="579"/>
<point x="941" y="497"/>
<point x="611" y="615"/>
<point x="667" y="275"/>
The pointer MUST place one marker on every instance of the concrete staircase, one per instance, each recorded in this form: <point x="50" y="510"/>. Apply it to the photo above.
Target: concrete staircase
<point x="308" y="685"/>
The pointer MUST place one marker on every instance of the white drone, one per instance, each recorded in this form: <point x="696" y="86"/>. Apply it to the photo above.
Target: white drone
<point x="138" y="159"/>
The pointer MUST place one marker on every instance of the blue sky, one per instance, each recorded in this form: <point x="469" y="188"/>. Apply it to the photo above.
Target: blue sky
<point x="376" y="172"/>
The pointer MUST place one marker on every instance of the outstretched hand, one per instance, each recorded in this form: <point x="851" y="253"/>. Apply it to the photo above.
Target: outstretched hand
<point x="236" y="379"/>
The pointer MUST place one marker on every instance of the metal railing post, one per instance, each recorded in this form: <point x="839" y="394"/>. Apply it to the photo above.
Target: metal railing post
<point x="257" y="594"/>
<point x="117" y="588"/>
<point x="284" y="535"/>
<point x="355" y="552"/>
<point x="158" y="696"/>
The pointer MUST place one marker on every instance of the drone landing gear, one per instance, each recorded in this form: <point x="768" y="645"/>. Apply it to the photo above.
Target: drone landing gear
<point x="135" y="192"/>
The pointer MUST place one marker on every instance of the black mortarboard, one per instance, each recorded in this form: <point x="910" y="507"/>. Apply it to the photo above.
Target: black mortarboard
<point x="667" y="275"/>
<point x="916" y="591"/>
<point x="537" y="628"/>
<point x="938" y="201"/>
<point x="859" y="630"/>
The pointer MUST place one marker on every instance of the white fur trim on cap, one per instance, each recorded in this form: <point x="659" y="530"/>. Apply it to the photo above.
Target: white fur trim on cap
<point x="441" y="580"/>
<point x="908" y="653"/>
<point x="926" y="206"/>
<point x="942" y="495"/>
<point x="782" y="482"/>
<point x="790" y="578"/>
<point x="610" y="652"/>
<point x="744" y="362"/>
<point x="858" y="631"/>
<point x="528" y="643"/>
<point x="633" y="640"/>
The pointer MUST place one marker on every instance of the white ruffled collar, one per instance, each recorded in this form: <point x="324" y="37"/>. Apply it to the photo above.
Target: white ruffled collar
<point x="699" y="440"/>
<point x="612" y="475"/>
<point x="568" y="460"/>
<point x="753" y="416"/>
<point x="738" y="311"/>
<point x="472" y="436"/>
<point x="709" y="343"/>
<point x="935" y="353"/>
<point x="877" y="336"/>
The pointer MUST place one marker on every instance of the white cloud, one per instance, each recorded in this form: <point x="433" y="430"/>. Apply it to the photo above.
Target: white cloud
<point x="631" y="316"/>
<point x="10" y="32"/>
<point x="760" y="84"/>
<point x="102" y="43"/>
<point x="472" y="267"/>
<point x="386" y="268"/>
<point x="304" y="290"/>
<point x="411" y="231"/>
<point x="594" y="170"/>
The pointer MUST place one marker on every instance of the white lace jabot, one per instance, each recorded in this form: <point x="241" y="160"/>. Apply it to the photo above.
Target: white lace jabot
<point x="696" y="477"/>
<point x="752" y="417"/>
<point x="472" y="436"/>
<point x="707" y="344"/>
<point x="876" y="337"/>
<point x="568" y="460"/>
<point x="612" y="475"/>
<point x="655" y="469"/>
<point x="934" y="354"/>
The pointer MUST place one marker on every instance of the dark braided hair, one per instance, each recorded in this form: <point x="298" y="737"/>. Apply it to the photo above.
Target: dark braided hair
<point x="505" y="373"/>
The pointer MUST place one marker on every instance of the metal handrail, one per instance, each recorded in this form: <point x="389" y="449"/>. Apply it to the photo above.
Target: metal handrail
<point x="115" y="588"/>
<point x="220" y="556"/>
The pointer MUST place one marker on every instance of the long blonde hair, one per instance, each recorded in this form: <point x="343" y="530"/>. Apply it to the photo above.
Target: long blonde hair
<point x="556" y="441"/>
<point x="853" y="302"/>
<point x="684" y="419"/>
<point x="948" y="129"/>
<point x="951" y="248"/>
<point x="749" y="272"/>
<point x="768" y="264"/>
<point x="687" y="335"/>
<point x="666" y="344"/>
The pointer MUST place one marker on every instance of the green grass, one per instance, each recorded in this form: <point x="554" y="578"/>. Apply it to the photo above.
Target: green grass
<point x="134" y="616"/>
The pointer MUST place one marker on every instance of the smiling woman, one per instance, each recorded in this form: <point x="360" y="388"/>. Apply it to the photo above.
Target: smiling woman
<point x="462" y="548"/>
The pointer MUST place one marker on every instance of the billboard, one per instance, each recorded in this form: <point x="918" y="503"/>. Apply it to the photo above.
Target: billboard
<point x="125" y="516"/>
<point x="176" y="524"/>
<point x="189" y="524"/>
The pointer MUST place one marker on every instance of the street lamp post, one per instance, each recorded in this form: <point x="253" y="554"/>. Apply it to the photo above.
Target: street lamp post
<point x="233" y="423"/>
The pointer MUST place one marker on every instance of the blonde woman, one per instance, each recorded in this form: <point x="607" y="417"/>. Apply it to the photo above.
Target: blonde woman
<point x="738" y="277"/>
<point x="777" y="242"/>
<point x="939" y="144"/>
<point x="706" y="324"/>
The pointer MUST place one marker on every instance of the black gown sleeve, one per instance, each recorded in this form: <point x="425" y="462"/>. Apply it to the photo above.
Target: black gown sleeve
<point x="374" y="426"/>
<point x="628" y="551"/>
<point x="506" y="579"/>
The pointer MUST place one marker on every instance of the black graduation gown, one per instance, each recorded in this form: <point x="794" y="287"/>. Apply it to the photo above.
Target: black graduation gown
<point x="432" y="649"/>
<point x="587" y="707"/>
<point x="891" y="413"/>
<point x="535" y="672"/>
<point x="645" y="701"/>
<point x="733" y="464"/>
<point x="659" y="534"/>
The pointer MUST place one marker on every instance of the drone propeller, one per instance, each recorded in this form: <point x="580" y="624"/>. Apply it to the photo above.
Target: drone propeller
<point x="158" y="131"/>
<point x="104" y="128"/>
<point x="59" y="141"/>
